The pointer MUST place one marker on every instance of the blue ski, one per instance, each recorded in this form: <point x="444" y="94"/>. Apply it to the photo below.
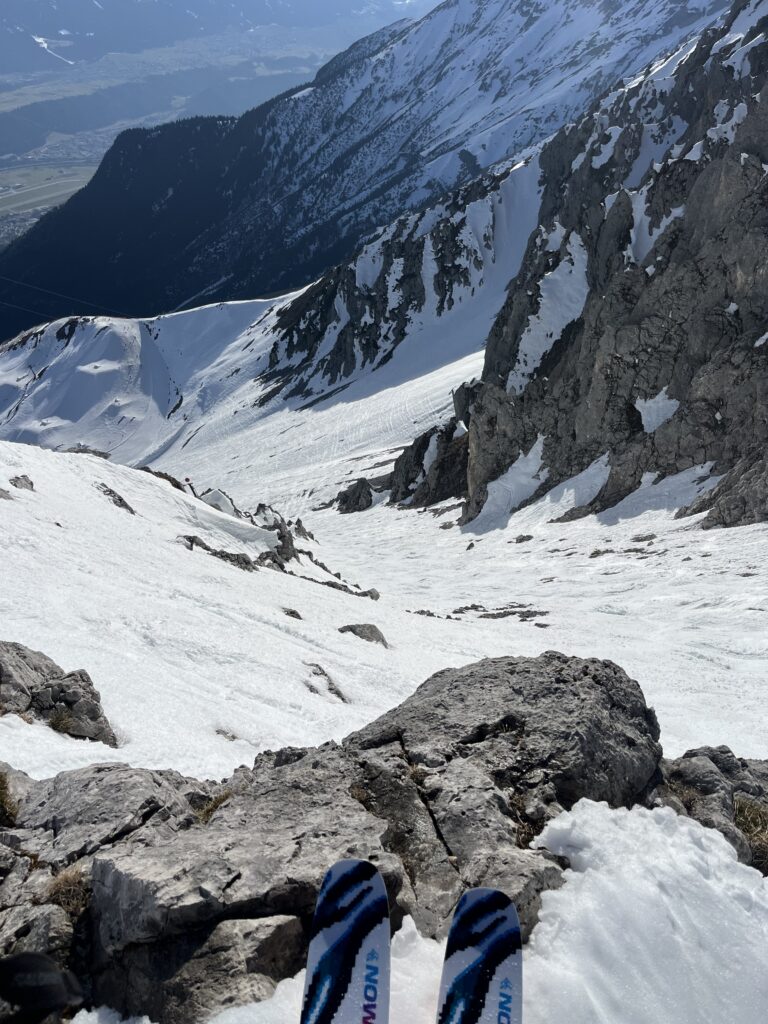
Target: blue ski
<point x="483" y="972"/>
<point x="348" y="962"/>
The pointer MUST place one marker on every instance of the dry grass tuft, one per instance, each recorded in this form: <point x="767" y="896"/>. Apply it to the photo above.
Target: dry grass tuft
<point x="207" y="811"/>
<point x="69" y="890"/>
<point x="8" y="806"/>
<point x="526" y="830"/>
<point x="61" y="720"/>
<point x="687" y="795"/>
<point x="752" y="819"/>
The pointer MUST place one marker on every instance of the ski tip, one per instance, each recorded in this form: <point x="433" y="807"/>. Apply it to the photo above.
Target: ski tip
<point x="348" y="960"/>
<point x="351" y="867"/>
<point x="347" y="886"/>
<point x="345" y="876"/>
<point x="482" y="979"/>
<point x="480" y="913"/>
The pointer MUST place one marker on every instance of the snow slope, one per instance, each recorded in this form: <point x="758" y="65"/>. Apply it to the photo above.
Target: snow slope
<point x="197" y="663"/>
<point x="209" y="647"/>
<point x="194" y="394"/>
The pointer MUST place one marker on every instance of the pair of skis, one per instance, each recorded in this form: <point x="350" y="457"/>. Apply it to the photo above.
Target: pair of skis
<point x="348" y="963"/>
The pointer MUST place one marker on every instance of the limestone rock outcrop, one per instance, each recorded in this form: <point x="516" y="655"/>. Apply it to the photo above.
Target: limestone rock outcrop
<point x="32" y="684"/>
<point x="725" y="792"/>
<point x="174" y="898"/>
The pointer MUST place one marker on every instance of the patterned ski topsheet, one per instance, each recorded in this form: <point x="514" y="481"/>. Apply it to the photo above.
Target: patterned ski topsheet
<point x="483" y="974"/>
<point x="348" y="962"/>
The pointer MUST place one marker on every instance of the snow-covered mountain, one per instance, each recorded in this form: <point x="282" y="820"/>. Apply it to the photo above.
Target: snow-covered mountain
<point x="290" y="400"/>
<point x="137" y="389"/>
<point x="561" y="260"/>
<point x="236" y="208"/>
<point x="578" y="343"/>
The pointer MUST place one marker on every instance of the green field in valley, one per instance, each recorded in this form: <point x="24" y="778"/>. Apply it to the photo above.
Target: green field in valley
<point x="29" y="188"/>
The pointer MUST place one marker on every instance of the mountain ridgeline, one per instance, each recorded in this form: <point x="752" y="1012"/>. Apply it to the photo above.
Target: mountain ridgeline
<point x="659" y="199"/>
<point x="234" y="208"/>
<point x="615" y="275"/>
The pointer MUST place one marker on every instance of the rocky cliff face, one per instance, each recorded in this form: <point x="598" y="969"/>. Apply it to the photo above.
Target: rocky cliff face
<point x="229" y="208"/>
<point x="635" y="329"/>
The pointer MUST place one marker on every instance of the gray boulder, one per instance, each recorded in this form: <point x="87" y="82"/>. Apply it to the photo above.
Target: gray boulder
<point x="366" y="631"/>
<point x="199" y="895"/>
<point x="21" y="672"/>
<point x="23" y="483"/>
<point x="724" y="792"/>
<point x="356" y="498"/>
<point x="33" y="684"/>
<point x="78" y="813"/>
<point x="563" y="728"/>
<point x="29" y="927"/>
<point x="236" y="963"/>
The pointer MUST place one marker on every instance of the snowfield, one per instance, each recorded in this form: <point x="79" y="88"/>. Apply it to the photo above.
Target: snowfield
<point x="657" y="922"/>
<point x="196" y="659"/>
<point x="209" y="649"/>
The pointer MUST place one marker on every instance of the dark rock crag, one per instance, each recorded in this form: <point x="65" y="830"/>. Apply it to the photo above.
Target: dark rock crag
<point x="718" y="789"/>
<point x="739" y="499"/>
<point x="671" y="243"/>
<point x="356" y="498"/>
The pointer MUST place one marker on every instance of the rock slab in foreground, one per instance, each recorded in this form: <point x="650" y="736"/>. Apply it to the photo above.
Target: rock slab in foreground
<point x="443" y="793"/>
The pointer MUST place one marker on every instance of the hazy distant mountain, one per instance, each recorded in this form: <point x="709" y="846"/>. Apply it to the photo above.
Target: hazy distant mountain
<point x="38" y="34"/>
<point x="227" y="208"/>
<point x="75" y="73"/>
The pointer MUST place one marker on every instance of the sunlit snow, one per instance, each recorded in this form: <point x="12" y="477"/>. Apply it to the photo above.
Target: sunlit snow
<point x="564" y="291"/>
